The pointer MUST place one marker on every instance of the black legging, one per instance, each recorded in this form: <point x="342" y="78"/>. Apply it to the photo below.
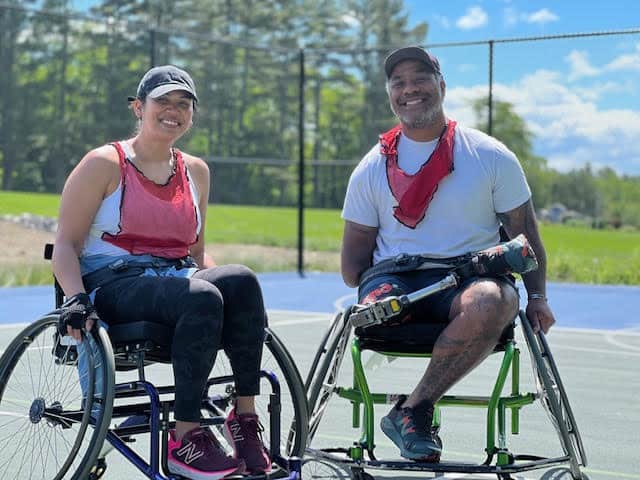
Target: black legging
<point x="217" y="307"/>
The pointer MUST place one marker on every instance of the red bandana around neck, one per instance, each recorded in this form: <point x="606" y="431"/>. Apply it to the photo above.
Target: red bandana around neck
<point x="414" y="192"/>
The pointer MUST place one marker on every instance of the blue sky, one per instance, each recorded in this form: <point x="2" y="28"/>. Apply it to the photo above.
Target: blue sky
<point x="579" y="97"/>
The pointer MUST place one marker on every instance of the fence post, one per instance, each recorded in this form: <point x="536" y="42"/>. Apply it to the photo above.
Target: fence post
<point x="301" y="168"/>
<point x="152" y="47"/>
<point x="490" y="115"/>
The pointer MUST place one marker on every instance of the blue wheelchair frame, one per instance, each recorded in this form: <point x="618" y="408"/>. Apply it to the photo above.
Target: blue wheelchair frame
<point x="130" y="347"/>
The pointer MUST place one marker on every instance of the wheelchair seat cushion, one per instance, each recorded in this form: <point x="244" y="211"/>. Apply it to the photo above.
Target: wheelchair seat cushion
<point x="154" y="338"/>
<point x="411" y="337"/>
<point x="127" y="333"/>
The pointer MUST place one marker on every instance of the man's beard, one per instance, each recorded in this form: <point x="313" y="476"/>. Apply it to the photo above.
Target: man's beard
<point x="423" y="120"/>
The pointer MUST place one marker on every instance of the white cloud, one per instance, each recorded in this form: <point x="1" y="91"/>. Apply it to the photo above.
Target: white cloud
<point x="443" y="21"/>
<point x="541" y="16"/>
<point x="511" y="16"/>
<point x="569" y="127"/>
<point x="579" y="65"/>
<point x="627" y="61"/>
<point x="475" y="17"/>
<point x="596" y="91"/>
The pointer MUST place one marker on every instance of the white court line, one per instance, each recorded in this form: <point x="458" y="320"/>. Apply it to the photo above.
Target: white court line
<point x="7" y="326"/>
<point x="627" y="331"/>
<point x="597" y="350"/>
<point x="339" y="302"/>
<point x="633" y="331"/>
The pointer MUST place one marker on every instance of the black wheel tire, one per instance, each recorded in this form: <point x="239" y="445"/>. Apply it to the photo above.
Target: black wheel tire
<point x="358" y="473"/>
<point x="321" y="380"/>
<point x="554" y="398"/>
<point x="40" y="391"/>
<point x="294" y="417"/>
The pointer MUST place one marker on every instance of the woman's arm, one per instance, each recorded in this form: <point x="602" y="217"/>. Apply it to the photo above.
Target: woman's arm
<point x="94" y="177"/>
<point x="91" y="180"/>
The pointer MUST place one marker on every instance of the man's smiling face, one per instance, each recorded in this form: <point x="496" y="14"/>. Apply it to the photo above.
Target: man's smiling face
<point x="416" y="94"/>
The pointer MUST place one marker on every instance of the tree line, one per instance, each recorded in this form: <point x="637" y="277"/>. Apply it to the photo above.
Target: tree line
<point x="66" y="76"/>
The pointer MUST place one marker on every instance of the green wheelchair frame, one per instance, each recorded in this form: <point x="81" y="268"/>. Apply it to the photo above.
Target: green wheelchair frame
<point x="322" y="383"/>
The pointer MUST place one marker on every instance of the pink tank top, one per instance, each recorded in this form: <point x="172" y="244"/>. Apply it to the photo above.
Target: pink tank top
<point x="159" y="220"/>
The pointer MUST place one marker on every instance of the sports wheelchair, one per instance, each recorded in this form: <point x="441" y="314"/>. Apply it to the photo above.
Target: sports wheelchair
<point x="417" y="340"/>
<point x="54" y="421"/>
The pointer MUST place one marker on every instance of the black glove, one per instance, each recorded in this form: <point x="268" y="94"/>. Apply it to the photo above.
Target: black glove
<point x="75" y="312"/>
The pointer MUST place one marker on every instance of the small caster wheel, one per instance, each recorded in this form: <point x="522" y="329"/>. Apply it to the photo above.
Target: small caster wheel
<point x="358" y="473"/>
<point x="98" y="469"/>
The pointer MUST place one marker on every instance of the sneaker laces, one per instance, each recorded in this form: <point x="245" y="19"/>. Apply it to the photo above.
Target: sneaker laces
<point x="419" y="418"/>
<point x="206" y="440"/>
<point x="252" y="428"/>
<point x="421" y="415"/>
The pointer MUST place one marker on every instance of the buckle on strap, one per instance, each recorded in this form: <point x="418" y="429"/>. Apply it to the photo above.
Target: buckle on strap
<point x="119" y="265"/>
<point x="404" y="262"/>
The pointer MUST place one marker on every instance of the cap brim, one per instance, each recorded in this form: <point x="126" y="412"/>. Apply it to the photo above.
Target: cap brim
<point x="410" y="53"/>
<point x="170" y="87"/>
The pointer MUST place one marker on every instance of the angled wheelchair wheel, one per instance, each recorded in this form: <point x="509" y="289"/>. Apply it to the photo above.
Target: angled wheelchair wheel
<point x="323" y="375"/>
<point x="48" y="432"/>
<point x="294" y="417"/>
<point x="316" y="469"/>
<point x="554" y="398"/>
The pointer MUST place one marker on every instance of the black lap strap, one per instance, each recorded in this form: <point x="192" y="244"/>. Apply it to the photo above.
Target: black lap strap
<point x="406" y="263"/>
<point x="123" y="269"/>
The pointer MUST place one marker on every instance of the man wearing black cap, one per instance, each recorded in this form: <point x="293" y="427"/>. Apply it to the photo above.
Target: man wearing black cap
<point x="434" y="188"/>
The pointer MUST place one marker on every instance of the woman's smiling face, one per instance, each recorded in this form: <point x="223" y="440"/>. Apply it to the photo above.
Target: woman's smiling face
<point x="170" y="114"/>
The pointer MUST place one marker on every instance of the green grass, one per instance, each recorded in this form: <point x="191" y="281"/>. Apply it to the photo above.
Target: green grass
<point x="575" y="254"/>
<point x="584" y="255"/>
<point x="271" y="226"/>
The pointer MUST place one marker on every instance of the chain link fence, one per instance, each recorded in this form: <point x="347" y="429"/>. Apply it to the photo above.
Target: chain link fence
<point x="284" y="126"/>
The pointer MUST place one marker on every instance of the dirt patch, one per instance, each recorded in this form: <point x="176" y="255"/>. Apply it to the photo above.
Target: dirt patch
<point x="24" y="246"/>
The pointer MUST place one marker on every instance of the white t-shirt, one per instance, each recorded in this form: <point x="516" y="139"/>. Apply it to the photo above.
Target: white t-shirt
<point x="462" y="217"/>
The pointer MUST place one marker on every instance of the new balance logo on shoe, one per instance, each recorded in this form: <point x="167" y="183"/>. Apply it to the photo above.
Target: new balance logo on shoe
<point x="189" y="453"/>
<point x="236" y="431"/>
<point x="199" y="456"/>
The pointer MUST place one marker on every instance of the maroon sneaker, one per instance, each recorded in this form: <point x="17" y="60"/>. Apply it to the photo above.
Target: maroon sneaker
<point x="199" y="456"/>
<point x="243" y="432"/>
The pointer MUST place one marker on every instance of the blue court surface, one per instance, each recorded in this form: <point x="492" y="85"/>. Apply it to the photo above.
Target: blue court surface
<point x="596" y="343"/>
<point x="602" y="307"/>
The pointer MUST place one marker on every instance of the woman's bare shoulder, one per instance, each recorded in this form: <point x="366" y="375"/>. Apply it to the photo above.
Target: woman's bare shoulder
<point x="100" y="166"/>
<point x="194" y="162"/>
<point x="104" y="156"/>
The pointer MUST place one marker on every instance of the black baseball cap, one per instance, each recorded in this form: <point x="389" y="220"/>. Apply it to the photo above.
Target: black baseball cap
<point x="164" y="79"/>
<point x="410" y="53"/>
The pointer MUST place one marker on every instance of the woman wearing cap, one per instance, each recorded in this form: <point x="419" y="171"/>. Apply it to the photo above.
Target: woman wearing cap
<point x="139" y="205"/>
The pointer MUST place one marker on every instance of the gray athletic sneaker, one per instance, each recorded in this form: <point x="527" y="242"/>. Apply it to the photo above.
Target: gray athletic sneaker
<point x="410" y="430"/>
